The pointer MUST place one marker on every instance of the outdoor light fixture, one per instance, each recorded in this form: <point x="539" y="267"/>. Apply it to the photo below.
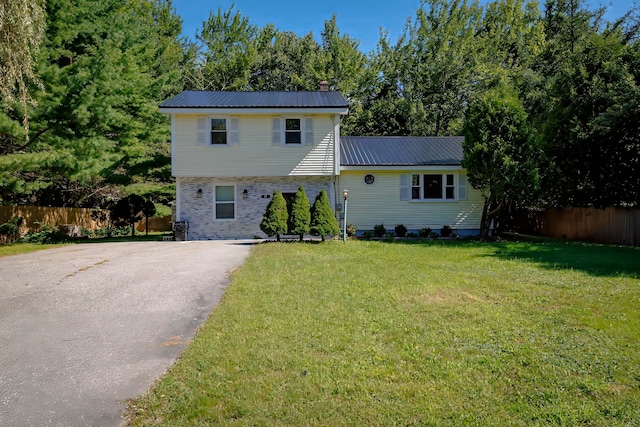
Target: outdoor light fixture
<point x="345" y="194"/>
<point x="245" y="194"/>
<point x="199" y="193"/>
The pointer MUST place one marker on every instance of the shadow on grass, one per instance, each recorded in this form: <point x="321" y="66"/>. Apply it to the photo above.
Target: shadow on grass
<point x="593" y="259"/>
<point x="597" y="260"/>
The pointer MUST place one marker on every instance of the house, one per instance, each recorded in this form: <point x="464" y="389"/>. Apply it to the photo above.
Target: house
<point x="231" y="150"/>
<point x="415" y="181"/>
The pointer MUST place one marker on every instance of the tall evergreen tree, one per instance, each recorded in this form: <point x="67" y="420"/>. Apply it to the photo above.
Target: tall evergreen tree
<point x="588" y="86"/>
<point x="323" y="220"/>
<point x="274" y="221"/>
<point x="104" y="69"/>
<point x="300" y="216"/>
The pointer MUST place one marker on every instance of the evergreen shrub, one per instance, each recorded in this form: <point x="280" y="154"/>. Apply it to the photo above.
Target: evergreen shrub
<point x="400" y="230"/>
<point x="424" y="232"/>
<point x="274" y="221"/>
<point x="379" y="230"/>
<point x="300" y="218"/>
<point x="323" y="220"/>
<point x="445" y="231"/>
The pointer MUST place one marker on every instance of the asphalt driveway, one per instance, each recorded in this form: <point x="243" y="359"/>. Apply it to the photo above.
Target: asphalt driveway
<point x="85" y="327"/>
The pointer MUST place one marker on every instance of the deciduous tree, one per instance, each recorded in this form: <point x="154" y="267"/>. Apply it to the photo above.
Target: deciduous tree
<point x="22" y="25"/>
<point x="227" y="51"/>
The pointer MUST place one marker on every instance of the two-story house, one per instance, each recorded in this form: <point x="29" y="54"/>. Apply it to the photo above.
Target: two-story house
<point x="231" y="150"/>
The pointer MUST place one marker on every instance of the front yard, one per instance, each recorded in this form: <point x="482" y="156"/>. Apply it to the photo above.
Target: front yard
<point x="439" y="333"/>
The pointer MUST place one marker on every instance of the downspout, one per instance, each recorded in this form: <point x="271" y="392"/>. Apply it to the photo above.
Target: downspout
<point x="178" y="200"/>
<point x="173" y="167"/>
<point x="336" y="156"/>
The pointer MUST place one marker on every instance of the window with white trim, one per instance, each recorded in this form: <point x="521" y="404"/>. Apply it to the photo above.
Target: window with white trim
<point x="218" y="130"/>
<point x="225" y="202"/>
<point x="292" y="131"/>
<point x="296" y="130"/>
<point x="433" y="187"/>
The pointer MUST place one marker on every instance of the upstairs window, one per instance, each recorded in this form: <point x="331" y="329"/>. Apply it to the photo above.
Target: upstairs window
<point x="292" y="131"/>
<point x="218" y="131"/>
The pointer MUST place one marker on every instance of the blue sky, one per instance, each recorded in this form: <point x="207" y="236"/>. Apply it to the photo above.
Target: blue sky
<point x="359" y="19"/>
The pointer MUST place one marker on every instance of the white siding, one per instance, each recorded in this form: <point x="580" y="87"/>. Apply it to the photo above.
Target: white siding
<point x="254" y="155"/>
<point x="379" y="203"/>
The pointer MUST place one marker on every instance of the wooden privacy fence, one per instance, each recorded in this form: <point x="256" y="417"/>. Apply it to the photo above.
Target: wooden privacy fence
<point x="35" y="216"/>
<point x="617" y="226"/>
<point x="156" y="223"/>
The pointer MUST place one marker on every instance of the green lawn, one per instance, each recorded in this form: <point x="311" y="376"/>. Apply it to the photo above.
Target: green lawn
<point x="454" y="333"/>
<point x="23" y="248"/>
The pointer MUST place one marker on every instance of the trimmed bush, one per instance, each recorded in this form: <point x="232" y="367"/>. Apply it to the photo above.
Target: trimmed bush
<point x="400" y="230"/>
<point x="445" y="231"/>
<point x="300" y="218"/>
<point x="379" y="230"/>
<point x="323" y="220"/>
<point x="274" y="221"/>
<point x="424" y="232"/>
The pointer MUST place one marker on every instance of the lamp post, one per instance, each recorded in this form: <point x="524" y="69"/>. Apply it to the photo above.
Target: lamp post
<point x="345" y="194"/>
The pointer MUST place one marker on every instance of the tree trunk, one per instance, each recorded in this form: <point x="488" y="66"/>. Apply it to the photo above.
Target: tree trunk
<point x="490" y="211"/>
<point x="484" y="224"/>
<point x="277" y="237"/>
<point x="301" y="237"/>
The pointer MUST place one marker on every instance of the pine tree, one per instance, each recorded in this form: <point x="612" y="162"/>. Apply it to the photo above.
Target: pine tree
<point x="300" y="218"/>
<point x="274" y="221"/>
<point x="323" y="220"/>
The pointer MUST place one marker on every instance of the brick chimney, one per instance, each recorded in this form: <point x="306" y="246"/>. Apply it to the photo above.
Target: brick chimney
<point x="324" y="86"/>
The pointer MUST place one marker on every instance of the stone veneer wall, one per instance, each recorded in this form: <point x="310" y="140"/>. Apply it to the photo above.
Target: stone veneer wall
<point x="249" y="212"/>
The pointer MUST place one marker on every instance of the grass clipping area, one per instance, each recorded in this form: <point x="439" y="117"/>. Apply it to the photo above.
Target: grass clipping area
<point x="371" y="333"/>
